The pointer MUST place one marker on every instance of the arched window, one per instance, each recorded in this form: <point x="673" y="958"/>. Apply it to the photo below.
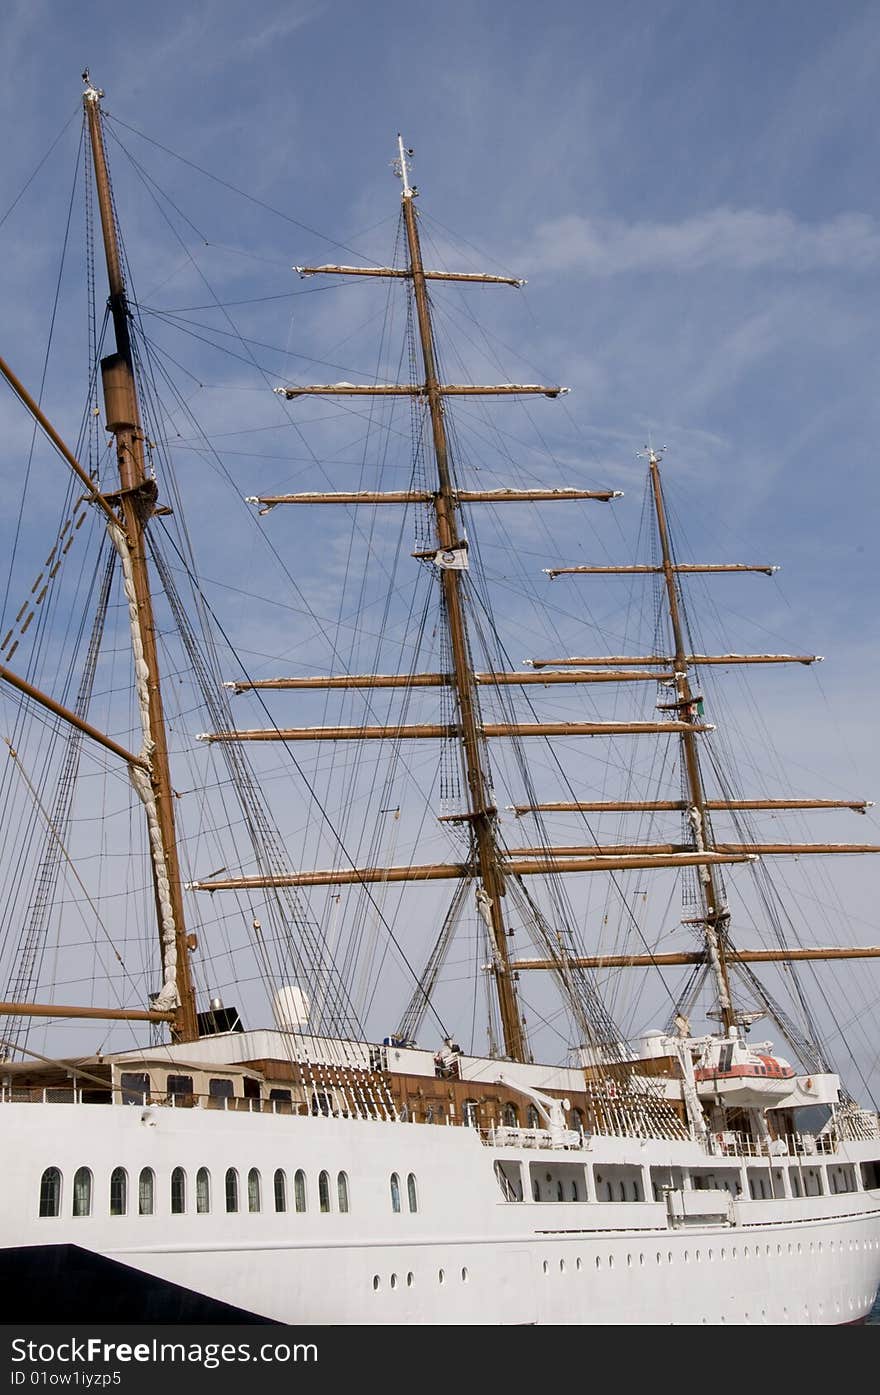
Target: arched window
<point x="411" y="1193"/>
<point x="118" y="1191"/>
<point x="253" y="1190"/>
<point x="203" y="1191"/>
<point x="146" y="1192"/>
<point x="395" y="1192"/>
<point x="299" y="1190"/>
<point x="178" y="1192"/>
<point x="280" y="1187"/>
<point x="324" y="1191"/>
<point x="533" y="1118"/>
<point x="82" y="1192"/>
<point x="50" y="1192"/>
<point x="342" y="1191"/>
<point x="511" y="1115"/>
<point x="231" y="1187"/>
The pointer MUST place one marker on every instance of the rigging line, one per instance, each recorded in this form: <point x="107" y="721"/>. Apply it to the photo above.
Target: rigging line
<point x="180" y="323"/>
<point x="115" y="121"/>
<point x="40" y="807"/>
<point x="300" y="771"/>
<point x="29" y="181"/>
<point x="30" y="455"/>
<point x="252" y="300"/>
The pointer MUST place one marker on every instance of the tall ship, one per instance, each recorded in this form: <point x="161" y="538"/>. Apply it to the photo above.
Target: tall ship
<point x="214" y="904"/>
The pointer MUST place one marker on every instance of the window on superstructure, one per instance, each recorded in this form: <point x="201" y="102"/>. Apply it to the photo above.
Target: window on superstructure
<point x="135" y="1087"/>
<point x="203" y="1191"/>
<point x="118" y="1191"/>
<point x="470" y="1113"/>
<point x="395" y="1192"/>
<point x="82" y="1192"/>
<point x="220" y="1089"/>
<point x="231" y="1189"/>
<point x="146" y="1192"/>
<point x="299" y="1190"/>
<point x="279" y="1187"/>
<point x="50" y="1192"/>
<point x="577" y="1120"/>
<point x="412" y="1193"/>
<point x="178" y="1192"/>
<point x="533" y="1118"/>
<point x="511" y="1116"/>
<point x="324" y="1191"/>
<point x="180" y="1088"/>
<point x="253" y="1190"/>
<point x="342" y="1191"/>
<point x="251" y="1089"/>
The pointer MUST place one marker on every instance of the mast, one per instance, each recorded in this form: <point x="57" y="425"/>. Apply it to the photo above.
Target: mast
<point x="136" y="500"/>
<point x="482" y="812"/>
<point x="716" y="915"/>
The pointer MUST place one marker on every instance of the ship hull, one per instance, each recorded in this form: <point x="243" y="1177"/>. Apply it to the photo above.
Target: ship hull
<point x="465" y="1255"/>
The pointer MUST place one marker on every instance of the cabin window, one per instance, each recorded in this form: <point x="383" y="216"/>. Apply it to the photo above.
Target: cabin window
<point x="118" y="1191"/>
<point x="180" y="1088"/>
<point x="411" y="1192"/>
<point x="299" y="1190"/>
<point x="50" y="1192"/>
<point x="203" y="1191"/>
<point x="280" y="1189"/>
<point x="252" y="1093"/>
<point x="231" y="1187"/>
<point x="320" y="1102"/>
<point x="324" y="1192"/>
<point x="533" y="1118"/>
<point x="282" y="1098"/>
<point x="395" y="1192"/>
<point x="178" y="1192"/>
<point x="253" y="1190"/>
<point x="219" y="1089"/>
<point x="82" y="1192"/>
<point x="342" y="1191"/>
<point x="511" y="1116"/>
<point x="135" y="1087"/>
<point x="146" y="1192"/>
<point x="470" y="1114"/>
<point x="576" y="1119"/>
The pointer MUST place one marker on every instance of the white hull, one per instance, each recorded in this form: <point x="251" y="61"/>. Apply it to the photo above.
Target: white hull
<point x="809" y="1259"/>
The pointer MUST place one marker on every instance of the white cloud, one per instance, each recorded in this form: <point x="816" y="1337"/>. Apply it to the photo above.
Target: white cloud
<point x="744" y="239"/>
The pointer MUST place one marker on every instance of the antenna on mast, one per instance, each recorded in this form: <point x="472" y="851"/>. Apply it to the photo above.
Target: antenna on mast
<point x="402" y="166"/>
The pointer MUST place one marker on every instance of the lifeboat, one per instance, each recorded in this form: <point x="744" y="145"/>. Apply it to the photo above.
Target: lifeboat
<point x="752" y="1081"/>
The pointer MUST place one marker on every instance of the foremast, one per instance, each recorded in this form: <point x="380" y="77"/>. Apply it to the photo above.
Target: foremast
<point x="482" y="814"/>
<point x="136" y="501"/>
<point x="716" y="915"/>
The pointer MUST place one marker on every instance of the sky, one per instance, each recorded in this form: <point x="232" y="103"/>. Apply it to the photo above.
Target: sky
<point x="690" y="190"/>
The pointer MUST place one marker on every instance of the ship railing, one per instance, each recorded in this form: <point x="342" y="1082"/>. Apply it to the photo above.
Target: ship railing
<point x="732" y="1144"/>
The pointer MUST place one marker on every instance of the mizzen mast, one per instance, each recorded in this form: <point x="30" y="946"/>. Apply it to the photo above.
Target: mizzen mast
<point x="136" y="500"/>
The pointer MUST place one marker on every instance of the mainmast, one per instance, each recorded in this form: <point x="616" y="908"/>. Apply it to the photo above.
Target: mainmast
<point x="482" y="813"/>
<point x="716" y="916"/>
<point x="136" y="501"/>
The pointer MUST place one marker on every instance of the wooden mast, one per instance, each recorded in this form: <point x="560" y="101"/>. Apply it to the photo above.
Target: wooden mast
<point x="483" y="814"/>
<point x="717" y="915"/>
<point x="137" y="497"/>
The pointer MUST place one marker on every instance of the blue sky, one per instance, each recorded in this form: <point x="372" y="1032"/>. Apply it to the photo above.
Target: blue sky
<point x="689" y="188"/>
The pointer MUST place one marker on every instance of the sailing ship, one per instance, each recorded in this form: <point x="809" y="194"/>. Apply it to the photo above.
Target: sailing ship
<point x="288" y="1167"/>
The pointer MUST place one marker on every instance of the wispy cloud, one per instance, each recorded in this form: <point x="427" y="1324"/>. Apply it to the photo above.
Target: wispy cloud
<point x="744" y="239"/>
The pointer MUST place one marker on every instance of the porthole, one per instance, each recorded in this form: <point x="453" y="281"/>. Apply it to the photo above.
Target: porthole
<point x="546" y="1267"/>
<point x="464" y="1276"/>
<point x="393" y="1281"/>
<point x="578" y="1265"/>
<point x="629" y="1261"/>
<point x="562" y="1266"/>
<point x="441" y="1276"/>
<point x="410" y="1279"/>
<point x="598" y="1261"/>
<point x="376" y="1283"/>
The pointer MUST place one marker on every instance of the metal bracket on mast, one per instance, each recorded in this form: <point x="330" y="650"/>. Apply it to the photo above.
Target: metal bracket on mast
<point x="401" y="167"/>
